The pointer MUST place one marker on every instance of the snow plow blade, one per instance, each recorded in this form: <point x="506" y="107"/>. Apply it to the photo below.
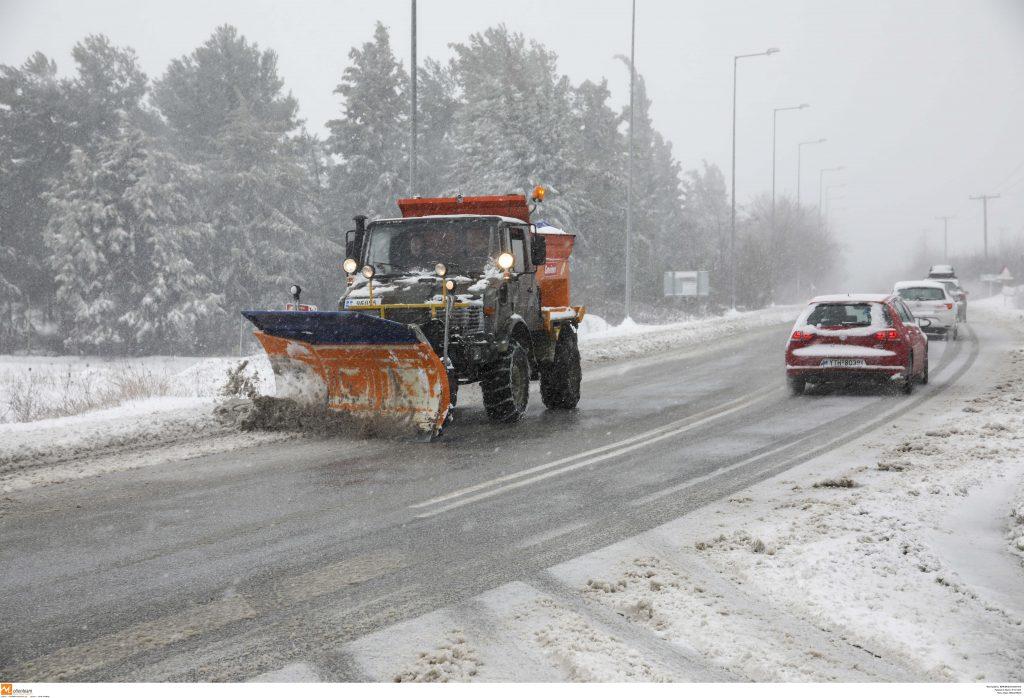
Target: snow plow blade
<point x="366" y="366"/>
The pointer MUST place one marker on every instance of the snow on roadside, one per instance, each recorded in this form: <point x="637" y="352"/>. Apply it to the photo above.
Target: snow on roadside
<point x="1016" y="530"/>
<point x="179" y="423"/>
<point x="600" y="342"/>
<point x="35" y="388"/>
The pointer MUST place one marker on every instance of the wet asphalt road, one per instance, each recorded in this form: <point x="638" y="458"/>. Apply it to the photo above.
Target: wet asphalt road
<point x="226" y="566"/>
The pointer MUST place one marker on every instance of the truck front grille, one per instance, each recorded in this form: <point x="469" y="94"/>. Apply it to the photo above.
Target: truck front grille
<point x="407" y="316"/>
<point x="467" y="321"/>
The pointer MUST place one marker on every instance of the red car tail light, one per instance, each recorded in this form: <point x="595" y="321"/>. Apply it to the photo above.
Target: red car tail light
<point x="800" y="336"/>
<point x="887" y="335"/>
<point x="949" y="306"/>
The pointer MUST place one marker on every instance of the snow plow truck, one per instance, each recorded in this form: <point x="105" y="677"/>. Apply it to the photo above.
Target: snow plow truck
<point x="456" y="291"/>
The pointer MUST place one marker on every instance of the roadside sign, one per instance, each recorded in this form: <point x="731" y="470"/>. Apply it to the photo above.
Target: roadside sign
<point x="687" y="283"/>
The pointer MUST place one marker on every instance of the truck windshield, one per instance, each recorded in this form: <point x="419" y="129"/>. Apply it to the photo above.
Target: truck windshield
<point x="416" y="244"/>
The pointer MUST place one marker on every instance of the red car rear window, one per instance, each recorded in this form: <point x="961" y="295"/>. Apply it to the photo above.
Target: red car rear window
<point x="840" y="315"/>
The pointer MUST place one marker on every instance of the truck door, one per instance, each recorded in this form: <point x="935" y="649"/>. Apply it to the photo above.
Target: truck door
<point x="526" y="298"/>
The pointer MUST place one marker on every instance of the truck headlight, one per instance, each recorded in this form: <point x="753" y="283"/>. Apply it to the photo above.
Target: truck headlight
<point x="440" y="269"/>
<point x="350" y="265"/>
<point x="450" y="285"/>
<point x="368" y="271"/>
<point x="506" y="260"/>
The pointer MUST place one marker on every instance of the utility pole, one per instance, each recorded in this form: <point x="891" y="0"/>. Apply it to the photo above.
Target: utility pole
<point x="412" y="107"/>
<point x="984" y="212"/>
<point x="732" y="225"/>
<point x="945" y="236"/>
<point x="629" y="176"/>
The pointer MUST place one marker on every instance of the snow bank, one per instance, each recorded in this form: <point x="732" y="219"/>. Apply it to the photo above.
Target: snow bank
<point x="599" y="341"/>
<point x="35" y="388"/>
<point x="1016" y="528"/>
<point x="178" y="422"/>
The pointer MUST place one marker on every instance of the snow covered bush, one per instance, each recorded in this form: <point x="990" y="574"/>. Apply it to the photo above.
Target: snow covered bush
<point x="34" y="394"/>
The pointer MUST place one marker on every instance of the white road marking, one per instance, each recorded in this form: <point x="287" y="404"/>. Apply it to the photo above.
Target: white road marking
<point x="568" y="459"/>
<point x="552" y="534"/>
<point x="881" y="417"/>
<point x="604" y="453"/>
<point x="648" y="498"/>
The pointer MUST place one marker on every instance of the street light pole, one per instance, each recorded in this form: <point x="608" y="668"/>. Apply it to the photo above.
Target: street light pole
<point x="412" y="106"/>
<point x="821" y="181"/>
<point x="799" y="158"/>
<point x="732" y="225"/>
<point x="775" y="114"/>
<point x="828" y="199"/>
<point x="983" y="198"/>
<point x="945" y="236"/>
<point x="629" y="177"/>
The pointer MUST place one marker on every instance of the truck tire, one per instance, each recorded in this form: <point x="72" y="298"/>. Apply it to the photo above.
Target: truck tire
<point x="560" y="379"/>
<point x="506" y="385"/>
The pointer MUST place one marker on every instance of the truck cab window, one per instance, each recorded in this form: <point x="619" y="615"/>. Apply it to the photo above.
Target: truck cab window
<point x="517" y="238"/>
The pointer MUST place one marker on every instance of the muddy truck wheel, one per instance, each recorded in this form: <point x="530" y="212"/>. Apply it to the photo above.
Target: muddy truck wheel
<point x="560" y="379"/>
<point x="506" y="385"/>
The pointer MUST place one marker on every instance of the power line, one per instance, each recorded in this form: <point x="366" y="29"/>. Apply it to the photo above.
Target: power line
<point x="1010" y="176"/>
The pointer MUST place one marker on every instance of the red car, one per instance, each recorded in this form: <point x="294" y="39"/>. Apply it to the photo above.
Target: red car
<point x="857" y="337"/>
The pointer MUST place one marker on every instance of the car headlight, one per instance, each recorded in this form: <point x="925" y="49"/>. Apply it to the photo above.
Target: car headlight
<point x="350" y="265"/>
<point x="368" y="271"/>
<point x="506" y="260"/>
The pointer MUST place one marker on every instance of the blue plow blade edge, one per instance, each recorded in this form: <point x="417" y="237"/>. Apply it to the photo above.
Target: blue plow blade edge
<point x="325" y="327"/>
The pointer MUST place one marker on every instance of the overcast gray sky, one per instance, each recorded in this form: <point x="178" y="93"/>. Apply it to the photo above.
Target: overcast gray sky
<point x="921" y="100"/>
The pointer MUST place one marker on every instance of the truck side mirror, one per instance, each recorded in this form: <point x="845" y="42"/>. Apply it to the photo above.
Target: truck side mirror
<point x="538" y="249"/>
<point x="350" y="246"/>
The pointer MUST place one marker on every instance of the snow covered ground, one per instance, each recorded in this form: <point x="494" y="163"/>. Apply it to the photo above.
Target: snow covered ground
<point x="600" y="342"/>
<point x="896" y="557"/>
<point x="120" y="414"/>
<point x="79" y="416"/>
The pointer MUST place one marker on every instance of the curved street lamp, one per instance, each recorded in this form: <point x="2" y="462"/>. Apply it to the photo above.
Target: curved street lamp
<point x="775" y="114"/>
<point x="732" y="225"/>
<point x="799" y="155"/>
<point x="821" y="181"/>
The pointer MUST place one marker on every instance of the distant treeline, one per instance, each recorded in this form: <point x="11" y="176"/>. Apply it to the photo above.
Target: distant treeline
<point x="138" y="216"/>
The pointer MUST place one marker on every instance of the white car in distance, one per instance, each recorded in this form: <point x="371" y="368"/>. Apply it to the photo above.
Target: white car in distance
<point x="931" y="299"/>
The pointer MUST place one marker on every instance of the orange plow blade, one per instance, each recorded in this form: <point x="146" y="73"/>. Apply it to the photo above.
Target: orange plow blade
<point x="366" y="366"/>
